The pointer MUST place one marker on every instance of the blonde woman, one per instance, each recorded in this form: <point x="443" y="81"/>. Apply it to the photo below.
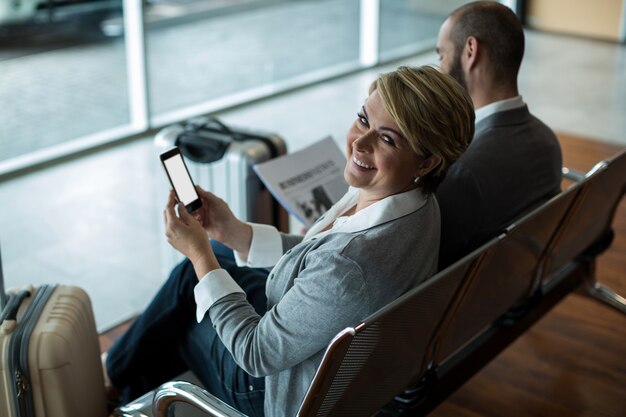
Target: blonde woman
<point x="255" y="340"/>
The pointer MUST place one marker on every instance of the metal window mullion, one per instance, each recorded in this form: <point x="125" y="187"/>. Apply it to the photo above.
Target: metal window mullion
<point x="369" y="32"/>
<point x="136" y="64"/>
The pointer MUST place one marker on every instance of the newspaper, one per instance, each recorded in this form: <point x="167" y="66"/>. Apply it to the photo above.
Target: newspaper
<point x="307" y="182"/>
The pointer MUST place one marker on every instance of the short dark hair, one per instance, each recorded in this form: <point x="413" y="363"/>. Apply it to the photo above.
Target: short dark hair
<point x="496" y="28"/>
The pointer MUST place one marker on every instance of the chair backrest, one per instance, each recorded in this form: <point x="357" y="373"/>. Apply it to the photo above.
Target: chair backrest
<point x="591" y="216"/>
<point x="507" y="276"/>
<point x="364" y="367"/>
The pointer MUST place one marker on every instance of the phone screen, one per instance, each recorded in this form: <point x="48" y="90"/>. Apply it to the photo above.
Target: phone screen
<point x="180" y="180"/>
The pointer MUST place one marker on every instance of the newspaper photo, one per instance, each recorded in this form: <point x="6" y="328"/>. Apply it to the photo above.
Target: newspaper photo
<point x="307" y="182"/>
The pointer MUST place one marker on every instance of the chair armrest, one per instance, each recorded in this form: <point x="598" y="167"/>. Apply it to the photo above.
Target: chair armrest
<point x="141" y="407"/>
<point x="186" y="392"/>
<point x="573" y="174"/>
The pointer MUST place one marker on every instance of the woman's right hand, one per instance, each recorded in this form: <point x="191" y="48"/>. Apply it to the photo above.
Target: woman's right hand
<point x="221" y="224"/>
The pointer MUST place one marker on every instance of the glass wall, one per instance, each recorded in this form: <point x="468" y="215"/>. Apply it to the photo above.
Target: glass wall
<point x="411" y="26"/>
<point x="64" y="84"/>
<point x="75" y="79"/>
<point x="249" y="53"/>
<point x="58" y="78"/>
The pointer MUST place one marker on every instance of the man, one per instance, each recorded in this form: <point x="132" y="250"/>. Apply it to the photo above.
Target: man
<point x="514" y="161"/>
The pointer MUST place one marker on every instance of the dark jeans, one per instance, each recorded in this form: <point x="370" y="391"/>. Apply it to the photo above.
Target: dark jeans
<point x="166" y="340"/>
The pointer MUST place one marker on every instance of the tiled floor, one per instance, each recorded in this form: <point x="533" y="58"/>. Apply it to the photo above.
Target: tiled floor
<point x="94" y="221"/>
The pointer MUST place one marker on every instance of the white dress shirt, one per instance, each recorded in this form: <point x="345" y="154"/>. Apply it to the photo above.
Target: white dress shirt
<point x="498" y="106"/>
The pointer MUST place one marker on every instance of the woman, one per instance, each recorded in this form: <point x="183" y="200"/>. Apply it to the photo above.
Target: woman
<point x="258" y="350"/>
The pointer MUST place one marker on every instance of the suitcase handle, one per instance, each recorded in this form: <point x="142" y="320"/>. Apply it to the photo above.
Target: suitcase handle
<point x="13" y="305"/>
<point x="207" y="141"/>
<point x="201" y="148"/>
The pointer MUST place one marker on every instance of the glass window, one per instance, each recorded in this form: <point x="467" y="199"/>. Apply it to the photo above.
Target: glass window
<point x="64" y="87"/>
<point x="62" y="78"/>
<point x="255" y="51"/>
<point x="411" y="26"/>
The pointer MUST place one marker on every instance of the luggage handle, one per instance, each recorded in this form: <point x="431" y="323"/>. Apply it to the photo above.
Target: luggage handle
<point x="199" y="146"/>
<point x="211" y="147"/>
<point x="13" y="305"/>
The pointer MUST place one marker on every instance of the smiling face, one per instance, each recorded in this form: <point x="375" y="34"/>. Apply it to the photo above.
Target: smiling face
<point x="380" y="160"/>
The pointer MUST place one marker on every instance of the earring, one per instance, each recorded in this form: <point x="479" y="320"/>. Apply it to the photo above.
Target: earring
<point x="416" y="179"/>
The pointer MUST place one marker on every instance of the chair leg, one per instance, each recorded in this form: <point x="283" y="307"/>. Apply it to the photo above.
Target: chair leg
<point x="603" y="293"/>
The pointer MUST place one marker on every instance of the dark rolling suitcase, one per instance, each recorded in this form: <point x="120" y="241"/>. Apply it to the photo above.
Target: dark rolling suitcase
<point x="49" y="354"/>
<point x="220" y="159"/>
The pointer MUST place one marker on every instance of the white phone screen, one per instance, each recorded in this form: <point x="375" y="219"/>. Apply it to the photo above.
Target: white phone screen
<point x="180" y="179"/>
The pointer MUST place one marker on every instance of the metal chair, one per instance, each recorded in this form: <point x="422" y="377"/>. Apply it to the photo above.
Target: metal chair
<point x="460" y="272"/>
<point x="388" y="352"/>
<point x="504" y="285"/>
<point x="453" y="324"/>
<point x="364" y="366"/>
<point x="495" y="304"/>
<point x="587" y="230"/>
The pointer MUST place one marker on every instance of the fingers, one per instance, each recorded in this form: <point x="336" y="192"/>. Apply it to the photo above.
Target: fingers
<point x="201" y="192"/>
<point x="171" y="198"/>
<point x="206" y="196"/>
<point x="169" y="206"/>
<point x="197" y="216"/>
<point x="169" y="214"/>
<point x="183" y="214"/>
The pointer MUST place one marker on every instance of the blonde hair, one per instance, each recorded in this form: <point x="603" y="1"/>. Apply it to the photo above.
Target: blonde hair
<point x="433" y="112"/>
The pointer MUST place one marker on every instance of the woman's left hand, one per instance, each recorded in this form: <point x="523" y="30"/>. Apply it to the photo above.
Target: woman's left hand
<point x="186" y="234"/>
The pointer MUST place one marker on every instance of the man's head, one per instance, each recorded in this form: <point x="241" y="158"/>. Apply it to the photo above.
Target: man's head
<point x="482" y="34"/>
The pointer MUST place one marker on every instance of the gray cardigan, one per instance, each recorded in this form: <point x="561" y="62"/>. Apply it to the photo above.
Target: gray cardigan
<point x="319" y="287"/>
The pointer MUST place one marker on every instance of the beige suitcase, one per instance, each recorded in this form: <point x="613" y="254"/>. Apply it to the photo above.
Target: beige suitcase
<point x="50" y="355"/>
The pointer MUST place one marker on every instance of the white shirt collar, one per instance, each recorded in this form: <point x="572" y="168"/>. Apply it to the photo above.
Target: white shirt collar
<point x="382" y="211"/>
<point x="498" y="106"/>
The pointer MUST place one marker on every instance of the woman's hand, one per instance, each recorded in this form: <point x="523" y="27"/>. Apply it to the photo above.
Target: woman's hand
<point x="186" y="234"/>
<point x="221" y="224"/>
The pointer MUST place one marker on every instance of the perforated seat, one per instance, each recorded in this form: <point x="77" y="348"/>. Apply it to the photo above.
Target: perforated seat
<point x="364" y="366"/>
<point x="433" y="325"/>
<point x="586" y="230"/>
<point x="507" y="276"/>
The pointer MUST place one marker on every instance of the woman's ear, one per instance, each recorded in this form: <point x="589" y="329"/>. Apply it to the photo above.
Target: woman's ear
<point x="428" y="165"/>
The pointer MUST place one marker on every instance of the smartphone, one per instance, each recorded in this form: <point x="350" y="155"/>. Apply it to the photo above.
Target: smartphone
<point x="180" y="180"/>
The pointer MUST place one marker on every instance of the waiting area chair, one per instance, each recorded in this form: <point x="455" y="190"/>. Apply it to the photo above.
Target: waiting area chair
<point x="364" y="366"/>
<point x="505" y="283"/>
<point x="587" y="230"/>
<point x="436" y="336"/>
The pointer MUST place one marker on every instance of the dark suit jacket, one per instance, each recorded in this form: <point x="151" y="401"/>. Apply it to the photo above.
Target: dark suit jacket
<point x="512" y="165"/>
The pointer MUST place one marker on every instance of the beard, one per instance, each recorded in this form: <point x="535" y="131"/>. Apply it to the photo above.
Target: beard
<point x="456" y="71"/>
